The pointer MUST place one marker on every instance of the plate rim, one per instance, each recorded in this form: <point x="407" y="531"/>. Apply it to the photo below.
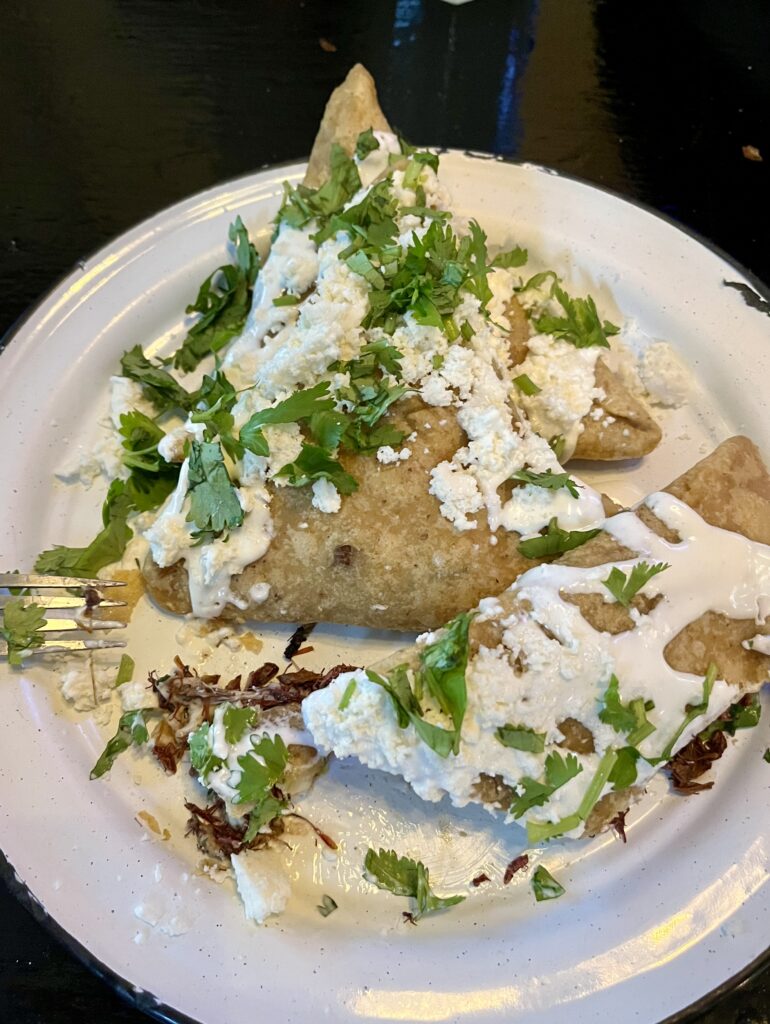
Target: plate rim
<point x="141" y="999"/>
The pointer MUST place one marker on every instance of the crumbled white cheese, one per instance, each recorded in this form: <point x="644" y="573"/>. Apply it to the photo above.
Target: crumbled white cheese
<point x="172" y="446"/>
<point x="326" y="497"/>
<point x="566" y="376"/>
<point x="262" y="883"/>
<point x="388" y="455"/>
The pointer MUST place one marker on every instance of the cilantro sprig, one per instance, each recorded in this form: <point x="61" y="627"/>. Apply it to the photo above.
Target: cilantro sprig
<point x="624" y="587"/>
<point x="628" y="718"/>
<point x="555" y="541"/>
<point x="261" y="769"/>
<point x="441" y="673"/>
<point x="558" y="772"/>
<point x="302" y="204"/>
<point x="406" y="877"/>
<point x="214" y="504"/>
<point x="132" y="731"/>
<point x="223" y="302"/>
<point x="580" y="324"/>
<point x="107" y="547"/>
<point x="21" y="627"/>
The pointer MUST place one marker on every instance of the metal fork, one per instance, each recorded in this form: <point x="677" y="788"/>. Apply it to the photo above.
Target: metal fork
<point x="72" y="609"/>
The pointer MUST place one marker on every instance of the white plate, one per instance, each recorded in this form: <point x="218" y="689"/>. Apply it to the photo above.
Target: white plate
<point x="644" y="929"/>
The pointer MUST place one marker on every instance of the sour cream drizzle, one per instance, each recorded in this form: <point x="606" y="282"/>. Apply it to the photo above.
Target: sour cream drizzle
<point x="537" y="679"/>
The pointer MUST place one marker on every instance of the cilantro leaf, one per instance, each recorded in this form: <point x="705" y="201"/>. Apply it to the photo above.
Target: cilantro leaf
<point x="158" y="386"/>
<point x="107" y="547"/>
<point x="521" y="737"/>
<point x="629" y="718"/>
<point x="555" y="541"/>
<point x="236" y="721"/>
<point x="223" y="302"/>
<point x="405" y="877"/>
<point x="132" y="729"/>
<point x="537" y="279"/>
<point x="624" y="771"/>
<point x="550" y="480"/>
<point x="545" y="886"/>
<point x="366" y="144"/>
<point x="152" y="479"/>
<point x="558" y="772"/>
<point x="261" y="770"/>
<point x="692" y="711"/>
<point x="302" y="204"/>
<point x="515" y="257"/>
<point x="314" y="463"/>
<point x="526" y="386"/>
<point x="766" y="756"/>
<point x="623" y="588"/>
<point x="442" y="674"/>
<point x="580" y="325"/>
<point x="301" y="405"/>
<point x="214" y="505"/>
<point x="21" y="628"/>
<point x="326" y="906"/>
<point x="125" y="671"/>
<point x="202" y="757"/>
<point x="745" y="714"/>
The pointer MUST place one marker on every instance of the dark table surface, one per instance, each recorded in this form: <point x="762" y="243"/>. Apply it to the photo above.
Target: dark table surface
<point x="113" y="109"/>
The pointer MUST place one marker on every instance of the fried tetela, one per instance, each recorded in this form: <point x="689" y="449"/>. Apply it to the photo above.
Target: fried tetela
<point x="571" y="689"/>
<point x="409" y="549"/>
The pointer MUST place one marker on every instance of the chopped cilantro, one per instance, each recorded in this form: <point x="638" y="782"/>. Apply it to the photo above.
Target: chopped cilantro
<point x="580" y="325"/>
<point x="107" y="547"/>
<point x="286" y="300"/>
<point x="350" y="689"/>
<point x="442" y="673"/>
<point x="261" y="769"/>
<point x="558" y="445"/>
<point x="301" y="405"/>
<point x="538" y="831"/>
<point x="555" y="541"/>
<point x="125" y="671"/>
<point x="223" y="302"/>
<point x="545" y="886"/>
<point x="405" y="877"/>
<point x="520" y="737"/>
<point x="623" y="773"/>
<point x="132" y="729"/>
<point x="366" y="144"/>
<point x="623" y="588"/>
<point x="21" y="628"/>
<point x="550" y="480"/>
<point x="537" y="279"/>
<point x="152" y="479"/>
<point x="314" y="463"/>
<point x="214" y="505"/>
<point x="326" y="906"/>
<point x="558" y="772"/>
<point x="515" y="257"/>
<point x="302" y="204"/>
<point x="766" y="756"/>
<point x="202" y="757"/>
<point x="526" y="386"/>
<point x="158" y="386"/>
<point x="629" y="718"/>
<point x="214" y="402"/>
<point x="236" y="721"/>
<point x="692" y="711"/>
<point x="745" y="714"/>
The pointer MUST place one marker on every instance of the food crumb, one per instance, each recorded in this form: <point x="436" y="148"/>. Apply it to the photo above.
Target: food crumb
<point x="752" y="153"/>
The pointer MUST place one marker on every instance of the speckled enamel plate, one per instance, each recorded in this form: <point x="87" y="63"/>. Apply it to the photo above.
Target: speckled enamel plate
<point x="643" y="930"/>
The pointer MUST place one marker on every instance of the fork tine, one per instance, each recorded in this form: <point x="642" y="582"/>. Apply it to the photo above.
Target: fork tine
<point x="70" y="625"/>
<point x="48" y="601"/>
<point x="60" y="646"/>
<point x="18" y="579"/>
